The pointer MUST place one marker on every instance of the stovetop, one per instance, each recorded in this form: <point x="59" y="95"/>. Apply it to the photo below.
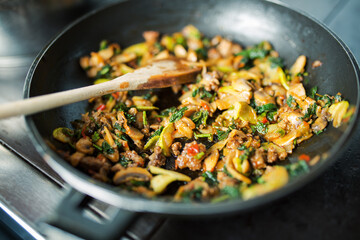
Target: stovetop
<point x="327" y="208"/>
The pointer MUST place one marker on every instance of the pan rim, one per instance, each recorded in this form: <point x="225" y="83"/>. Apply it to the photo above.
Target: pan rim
<point x="104" y="192"/>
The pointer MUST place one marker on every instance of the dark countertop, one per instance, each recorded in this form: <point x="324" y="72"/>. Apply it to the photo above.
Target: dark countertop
<point x="327" y="208"/>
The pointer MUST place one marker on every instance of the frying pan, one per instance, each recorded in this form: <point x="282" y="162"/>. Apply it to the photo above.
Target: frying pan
<point x="248" y="22"/>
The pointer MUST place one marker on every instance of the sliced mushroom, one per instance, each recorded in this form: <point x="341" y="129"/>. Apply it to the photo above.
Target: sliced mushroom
<point x="211" y="161"/>
<point x="132" y="173"/>
<point x="84" y="145"/>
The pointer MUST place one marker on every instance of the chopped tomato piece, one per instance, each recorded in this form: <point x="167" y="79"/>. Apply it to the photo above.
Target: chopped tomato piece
<point x="83" y="132"/>
<point x="304" y="157"/>
<point x="205" y="106"/>
<point x="264" y="120"/>
<point x="115" y="95"/>
<point x="101" y="107"/>
<point x="193" y="149"/>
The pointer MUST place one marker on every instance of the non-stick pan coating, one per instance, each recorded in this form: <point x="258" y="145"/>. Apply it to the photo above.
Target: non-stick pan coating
<point x="248" y="22"/>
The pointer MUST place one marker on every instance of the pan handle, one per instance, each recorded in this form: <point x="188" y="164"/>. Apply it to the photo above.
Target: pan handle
<point x="69" y="216"/>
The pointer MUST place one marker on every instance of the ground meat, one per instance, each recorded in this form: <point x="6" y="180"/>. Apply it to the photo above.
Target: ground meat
<point x="137" y="161"/>
<point x="102" y="175"/>
<point x="157" y="159"/>
<point x="237" y="140"/>
<point x="117" y="167"/>
<point x="210" y="82"/>
<point x="146" y="131"/>
<point x="186" y="160"/>
<point x="316" y="64"/>
<point x="272" y="155"/>
<point x="175" y="148"/>
<point x="196" y="184"/>
<point x="213" y="54"/>
<point x="257" y="160"/>
<point x="151" y="36"/>
<point x="224" y="47"/>
<point x="225" y="180"/>
<point x="84" y="145"/>
<point x="93" y="164"/>
<point x="75" y="158"/>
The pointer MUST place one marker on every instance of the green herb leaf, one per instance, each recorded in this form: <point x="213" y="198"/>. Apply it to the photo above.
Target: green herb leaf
<point x="130" y="118"/>
<point x="291" y="102"/>
<point x="253" y="53"/>
<point x="118" y="127"/>
<point x="103" y="45"/>
<point x="210" y="178"/>
<point x="199" y="155"/>
<point x="200" y="118"/>
<point x="233" y="192"/>
<point x="310" y="111"/>
<point x="104" y="72"/>
<point x="124" y="161"/>
<point x="313" y="92"/>
<point x="318" y="132"/>
<point x="202" y="53"/>
<point x="176" y="116"/>
<point x="276" y="62"/>
<point x="107" y="148"/>
<point x="297" y="169"/>
<point x="195" y="92"/>
<point x="147" y="96"/>
<point x="195" y="194"/>
<point x="260" y="128"/>
<point x="266" y="108"/>
<point x="95" y="137"/>
<point x="121" y="107"/>
<point x="166" y="112"/>
<point x="221" y="135"/>
<point x="97" y="147"/>
<point x="157" y="132"/>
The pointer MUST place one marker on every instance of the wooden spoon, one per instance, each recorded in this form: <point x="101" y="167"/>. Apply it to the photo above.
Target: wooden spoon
<point x="159" y="74"/>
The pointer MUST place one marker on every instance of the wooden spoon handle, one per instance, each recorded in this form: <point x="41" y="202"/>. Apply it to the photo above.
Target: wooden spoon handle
<point x="163" y="73"/>
<point x="137" y="80"/>
<point x="49" y="101"/>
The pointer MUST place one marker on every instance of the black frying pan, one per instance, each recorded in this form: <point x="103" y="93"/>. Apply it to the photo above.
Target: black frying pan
<point x="248" y="22"/>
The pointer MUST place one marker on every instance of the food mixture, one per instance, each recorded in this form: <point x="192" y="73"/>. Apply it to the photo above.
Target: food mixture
<point x="228" y="137"/>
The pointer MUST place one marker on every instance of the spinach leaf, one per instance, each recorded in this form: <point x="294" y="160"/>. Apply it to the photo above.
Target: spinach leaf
<point x="95" y="137"/>
<point x="276" y="62"/>
<point x="124" y="161"/>
<point x="297" y="169"/>
<point x="221" y="135"/>
<point x="210" y="178"/>
<point x="200" y="118"/>
<point x="310" y="111"/>
<point x="260" y="128"/>
<point x="313" y="92"/>
<point x="104" y="72"/>
<point x="107" y="148"/>
<point x="166" y="112"/>
<point x="233" y="192"/>
<point x="176" y="116"/>
<point x="291" y="102"/>
<point x="118" y="127"/>
<point x="266" y="108"/>
<point x="103" y="45"/>
<point x="195" y="194"/>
